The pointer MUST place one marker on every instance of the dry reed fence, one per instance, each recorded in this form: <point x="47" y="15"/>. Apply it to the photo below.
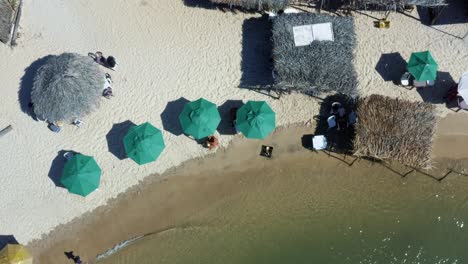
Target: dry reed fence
<point x="390" y="5"/>
<point x="276" y="5"/>
<point x="395" y="129"/>
<point x="268" y="5"/>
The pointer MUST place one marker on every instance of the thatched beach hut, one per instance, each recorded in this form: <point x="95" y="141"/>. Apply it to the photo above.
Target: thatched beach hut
<point x="260" y="5"/>
<point x="319" y="67"/>
<point x="395" y="129"/>
<point x="67" y="87"/>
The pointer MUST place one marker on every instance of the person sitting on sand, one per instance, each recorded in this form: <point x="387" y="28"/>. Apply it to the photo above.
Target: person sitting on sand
<point x="107" y="92"/>
<point x="212" y="142"/>
<point x="108" y="62"/>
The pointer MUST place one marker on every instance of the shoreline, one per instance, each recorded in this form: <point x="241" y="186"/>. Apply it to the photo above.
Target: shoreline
<point x="162" y="202"/>
<point x="168" y="52"/>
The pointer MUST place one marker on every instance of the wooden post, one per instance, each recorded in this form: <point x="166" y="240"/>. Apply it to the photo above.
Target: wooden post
<point x="439" y="11"/>
<point x="5" y="130"/>
<point x="14" y="35"/>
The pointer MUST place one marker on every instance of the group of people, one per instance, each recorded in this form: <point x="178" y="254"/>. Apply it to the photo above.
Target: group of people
<point x="110" y="63"/>
<point x="339" y="118"/>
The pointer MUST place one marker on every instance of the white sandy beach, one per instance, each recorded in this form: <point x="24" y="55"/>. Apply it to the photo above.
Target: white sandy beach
<point x="166" y="50"/>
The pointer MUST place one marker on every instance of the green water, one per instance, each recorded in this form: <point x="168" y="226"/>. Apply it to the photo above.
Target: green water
<point x="298" y="215"/>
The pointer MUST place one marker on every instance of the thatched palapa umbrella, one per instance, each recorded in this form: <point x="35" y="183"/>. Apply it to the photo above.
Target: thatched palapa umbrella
<point x="66" y="87"/>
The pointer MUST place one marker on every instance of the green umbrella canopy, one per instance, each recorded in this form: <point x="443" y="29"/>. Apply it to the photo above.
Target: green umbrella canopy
<point x="143" y="143"/>
<point x="199" y="118"/>
<point x="81" y="175"/>
<point x="422" y="66"/>
<point x="255" y="119"/>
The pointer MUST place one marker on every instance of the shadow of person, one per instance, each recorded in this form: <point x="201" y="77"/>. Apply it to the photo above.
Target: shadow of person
<point x="115" y="138"/>
<point x="7" y="239"/>
<point x="170" y="116"/>
<point x="391" y="67"/>
<point x="26" y="84"/>
<point x="56" y="168"/>
<point x="226" y="126"/>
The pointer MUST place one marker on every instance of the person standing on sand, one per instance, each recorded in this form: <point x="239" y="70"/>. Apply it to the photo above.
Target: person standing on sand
<point x="76" y="259"/>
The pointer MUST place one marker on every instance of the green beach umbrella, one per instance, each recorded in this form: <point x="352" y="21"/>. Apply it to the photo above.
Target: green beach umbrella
<point x="422" y="66"/>
<point x="143" y="143"/>
<point x="81" y="175"/>
<point x="255" y="119"/>
<point x="199" y="118"/>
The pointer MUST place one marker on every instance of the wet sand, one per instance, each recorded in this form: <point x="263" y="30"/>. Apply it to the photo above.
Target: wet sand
<point x="165" y="201"/>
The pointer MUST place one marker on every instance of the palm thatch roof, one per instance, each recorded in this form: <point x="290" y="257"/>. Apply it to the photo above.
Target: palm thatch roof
<point x="260" y="5"/>
<point x="66" y="87"/>
<point x="395" y="129"/>
<point x="321" y="67"/>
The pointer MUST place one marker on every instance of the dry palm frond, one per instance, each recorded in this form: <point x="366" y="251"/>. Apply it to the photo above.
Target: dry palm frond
<point x="273" y="5"/>
<point x="395" y="129"/>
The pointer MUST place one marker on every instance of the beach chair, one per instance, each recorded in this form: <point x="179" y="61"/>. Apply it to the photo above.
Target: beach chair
<point x="77" y="122"/>
<point x="54" y="127"/>
<point x="405" y="79"/>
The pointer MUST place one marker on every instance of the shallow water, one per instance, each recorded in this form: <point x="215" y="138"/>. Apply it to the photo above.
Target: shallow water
<point x="293" y="211"/>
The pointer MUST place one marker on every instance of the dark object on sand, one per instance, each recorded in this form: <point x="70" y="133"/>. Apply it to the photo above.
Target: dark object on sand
<point x="99" y="57"/>
<point x="70" y="255"/>
<point x="273" y="5"/>
<point x="6" y="130"/>
<point x="267" y="151"/>
<point x="111" y="62"/>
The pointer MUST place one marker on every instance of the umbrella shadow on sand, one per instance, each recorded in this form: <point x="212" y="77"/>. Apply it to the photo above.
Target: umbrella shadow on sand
<point x="26" y="84"/>
<point x="226" y="126"/>
<point x="7" y="239"/>
<point x="170" y="116"/>
<point x="115" y="138"/>
<point x="391" y="67"/>
<point x="56" y="169"/>
<point x="436" y="94"/>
